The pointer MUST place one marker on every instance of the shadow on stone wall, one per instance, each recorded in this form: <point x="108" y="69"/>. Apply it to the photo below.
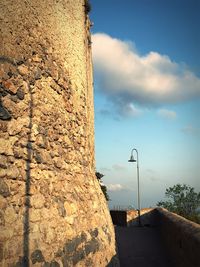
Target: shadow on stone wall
<point x="114" y="262"/>
<point x="75" y="251"/>
<point x="7" y="88"/>
<point x="27" y="185"/>
<point x="148" y="217"/>
<point x="119" y="217"/>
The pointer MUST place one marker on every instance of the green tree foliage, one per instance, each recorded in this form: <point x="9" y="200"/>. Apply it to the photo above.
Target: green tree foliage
<point x="103" y="187"/>
<point x="183" y="200"/>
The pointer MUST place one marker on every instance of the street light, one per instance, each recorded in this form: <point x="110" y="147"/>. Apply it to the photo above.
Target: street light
<point x="138" y="181"/>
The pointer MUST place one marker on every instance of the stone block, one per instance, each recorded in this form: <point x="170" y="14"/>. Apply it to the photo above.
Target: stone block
<point x="45" y="213"/>
<point x="71" y="208"/>
<point x="4" y="188"/>
<point x="3" y="162"/>
<point x="41" y="141"/>
<point x="37" y="256"/>
<point x="3" y="173"/>
<point x="15" y="126"/>
<point x="10" y="215"/>
<point x="13" y="172"/>
<point x="23" y="70"/>
<point x="10" y="87"/>
<point x="6" y="146"/>
<point x="6" y="233"/>
<point x="3" y="202"/>
<point x="37" y="201"/>
<point x="20" y="93"/>
<point x="4" y="115"/>
<point x="36" y="58"/>
<point x="20" y="152"/>
<point x="13" y="249"/>
<point x="35" y="215"/>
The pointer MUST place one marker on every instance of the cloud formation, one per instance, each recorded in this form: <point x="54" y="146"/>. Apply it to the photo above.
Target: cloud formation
<point x="189" y="129"/>
<point x="118" y="167"/>
<point x="167" y="114"/>
<point x="115" y="187"/>
<point x="131" y="110"/>
<point x="126" y="77"/>
<point x="105" y="169"/>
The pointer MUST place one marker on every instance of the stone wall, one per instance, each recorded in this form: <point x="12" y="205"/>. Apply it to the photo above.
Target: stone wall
<point x="52" y="210"/>
<point x="147" y="217"/>
<point x="130" y="217"/>
<point x="182" y="238"/>
<point x="119" y="217"/>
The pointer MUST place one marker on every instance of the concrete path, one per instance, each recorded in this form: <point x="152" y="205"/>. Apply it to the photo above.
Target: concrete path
<point x="141" y="247"/>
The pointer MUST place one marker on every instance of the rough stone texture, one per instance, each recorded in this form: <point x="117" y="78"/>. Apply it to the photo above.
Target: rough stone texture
<point x="53" y="212"/>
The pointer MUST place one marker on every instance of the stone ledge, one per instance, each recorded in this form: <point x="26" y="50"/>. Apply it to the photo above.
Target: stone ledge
<point x="182" y="238"/>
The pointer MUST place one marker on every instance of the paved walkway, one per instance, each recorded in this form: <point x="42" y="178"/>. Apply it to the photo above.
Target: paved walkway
<point x="141" y="247"/>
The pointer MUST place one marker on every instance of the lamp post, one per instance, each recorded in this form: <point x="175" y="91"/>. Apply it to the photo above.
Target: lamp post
<point x="138" y="181"/>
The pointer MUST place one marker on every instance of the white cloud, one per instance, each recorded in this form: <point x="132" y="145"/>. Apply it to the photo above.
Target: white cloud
<point x="126" y="77"/>
<point x="168" y="114"/>
<point x="118" y="167"/>
<point x="131" y="110"/>
<point x="189" y="129"/>
<point x="115" y="187"/>
<point x="105" y="169"/>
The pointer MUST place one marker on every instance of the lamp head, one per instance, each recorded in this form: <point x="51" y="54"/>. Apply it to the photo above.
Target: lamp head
<point x="132" y="159"/>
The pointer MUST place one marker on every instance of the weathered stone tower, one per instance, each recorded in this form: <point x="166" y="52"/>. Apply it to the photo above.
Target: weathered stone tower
<point x="52" y="211"/>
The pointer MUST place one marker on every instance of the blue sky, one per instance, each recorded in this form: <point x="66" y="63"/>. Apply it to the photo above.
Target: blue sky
<point x="146" y="57"/>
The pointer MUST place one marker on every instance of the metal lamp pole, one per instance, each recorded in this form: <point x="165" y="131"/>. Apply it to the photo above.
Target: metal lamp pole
<point x="138" y="182"/>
